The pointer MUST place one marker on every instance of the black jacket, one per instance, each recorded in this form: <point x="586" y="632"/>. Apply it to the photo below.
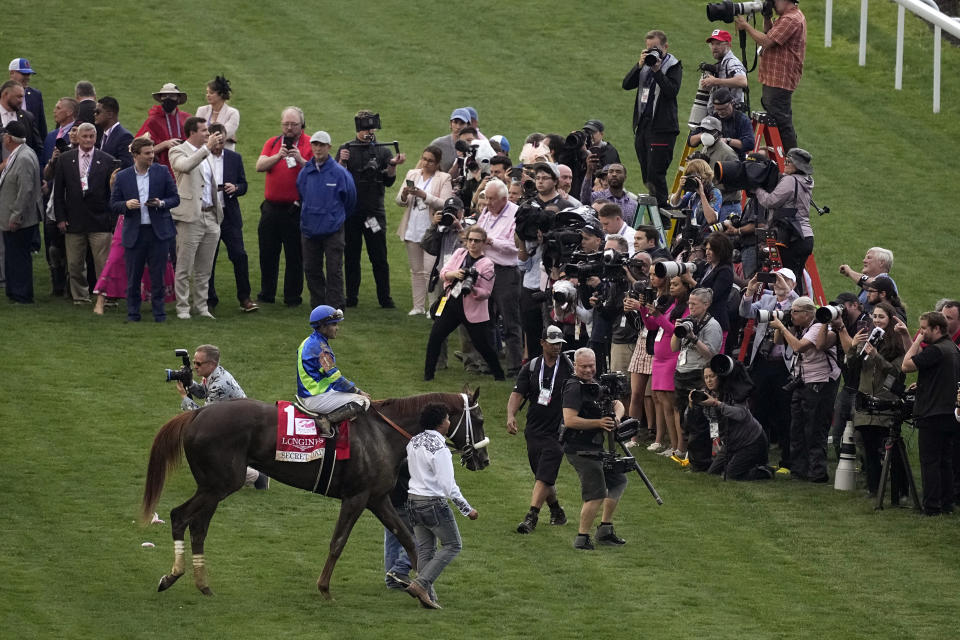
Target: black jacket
<point x="664" y="119"/>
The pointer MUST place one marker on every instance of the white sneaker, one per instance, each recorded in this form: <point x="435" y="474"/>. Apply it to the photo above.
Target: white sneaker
<point x="207" y="314"/>
<point x="666" y="453"/>
<point x="415" y="312"/>
<point x="656" y="446"/>
<point x="183" y="315"/>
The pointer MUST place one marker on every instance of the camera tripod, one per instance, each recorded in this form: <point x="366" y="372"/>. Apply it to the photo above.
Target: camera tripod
<point x="895" y="452"/>
<point x="627" y="429"/>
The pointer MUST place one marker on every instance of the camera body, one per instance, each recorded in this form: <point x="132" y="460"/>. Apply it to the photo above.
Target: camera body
<point x="653" y="56"/>
<point x="469" y="280"/>
<point x="685" y="329"/>
<point x="185" y="373"/>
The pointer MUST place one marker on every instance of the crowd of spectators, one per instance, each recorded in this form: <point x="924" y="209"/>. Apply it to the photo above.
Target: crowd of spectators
<point x="520" y="257"/>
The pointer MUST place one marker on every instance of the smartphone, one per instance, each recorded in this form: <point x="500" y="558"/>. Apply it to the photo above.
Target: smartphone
<point x="410" y="183"/>
<point x="766" y="277"/>
<point x="288" y="142"/>
<point x="864" y="323"/>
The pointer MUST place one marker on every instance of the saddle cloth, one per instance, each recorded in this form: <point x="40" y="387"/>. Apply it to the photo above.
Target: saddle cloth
<point x="297" y="439"/>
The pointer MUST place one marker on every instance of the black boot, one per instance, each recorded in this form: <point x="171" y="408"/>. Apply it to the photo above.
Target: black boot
<point x="348" y="411"/>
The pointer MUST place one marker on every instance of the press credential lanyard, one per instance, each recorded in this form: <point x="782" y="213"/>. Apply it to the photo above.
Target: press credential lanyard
<point x="545" y="393"/>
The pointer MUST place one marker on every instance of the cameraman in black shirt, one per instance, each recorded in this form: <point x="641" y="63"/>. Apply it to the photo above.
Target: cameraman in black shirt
<point x="374" y="169"/>
<point x="540" y="382"/>
<point x="938" y="372"/>
<point x="585" y="428"/>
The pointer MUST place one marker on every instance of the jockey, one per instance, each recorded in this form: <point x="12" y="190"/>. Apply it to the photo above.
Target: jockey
<point x="320" y="385"/>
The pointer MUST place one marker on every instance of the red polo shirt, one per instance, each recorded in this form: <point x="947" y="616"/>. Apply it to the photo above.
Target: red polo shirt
<point x="280" y="184"/>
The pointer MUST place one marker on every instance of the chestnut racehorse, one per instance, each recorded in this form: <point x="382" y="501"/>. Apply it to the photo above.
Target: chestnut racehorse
<point x="220" y="440"/>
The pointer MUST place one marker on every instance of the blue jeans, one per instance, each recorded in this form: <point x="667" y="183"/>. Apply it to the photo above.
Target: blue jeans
<point x="432" y="522"/>
<point x="395" y="557"/>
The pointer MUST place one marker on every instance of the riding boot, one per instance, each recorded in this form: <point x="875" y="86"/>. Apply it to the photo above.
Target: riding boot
<point x="348" y="411"/>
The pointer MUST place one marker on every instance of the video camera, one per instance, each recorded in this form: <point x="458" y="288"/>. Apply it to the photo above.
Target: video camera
<point x="531" y="218"/>
<point x="563" y="239"/>
<point x="185" y="373"/>
<point x="606" y="265"/>
<point x="365" y="123"/>
<point x="727" y="10"/>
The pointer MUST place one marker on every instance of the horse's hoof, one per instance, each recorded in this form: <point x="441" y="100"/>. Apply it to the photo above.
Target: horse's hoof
<point x="324" y="591"/>
<point x="166" y="582"/>
<point x="206" y="591"/>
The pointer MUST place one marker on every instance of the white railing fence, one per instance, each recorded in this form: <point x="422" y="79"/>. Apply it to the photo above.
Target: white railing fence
<point x="926" y="10"/>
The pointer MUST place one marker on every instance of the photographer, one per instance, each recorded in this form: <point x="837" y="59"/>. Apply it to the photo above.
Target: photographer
<point x="715" y="150"/>
<point x="468" y="279"/>
<point x="423" y="195"/>
<point x="814" y="379"/>
<point x="938" y="372"/>
<point x="873" y="361"/>
<point x="540" y="382"/>
<point x="656" y="77"/>
<point x="878" y="261"/>
<point x="743" y="451"/>
<point x="784" y="45"/>
<point x="789" y="209"/>
<point x="585" y="429"/>
<point x="717" y="276"/>
<point x="730" y="73"/>
<point x="768" y="364"/>
<point x="698" y="194"/>
<point x="216" y="385"/>
<point x="846" y="325"/>
<point x="374" y="169"/>
<point x="698" y="338"/>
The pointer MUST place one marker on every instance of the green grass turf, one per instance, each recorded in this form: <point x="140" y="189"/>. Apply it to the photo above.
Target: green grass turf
<point x="82" y="396"/>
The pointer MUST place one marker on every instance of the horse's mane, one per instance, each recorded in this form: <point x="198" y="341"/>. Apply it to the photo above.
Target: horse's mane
<point x="411" y="406"/>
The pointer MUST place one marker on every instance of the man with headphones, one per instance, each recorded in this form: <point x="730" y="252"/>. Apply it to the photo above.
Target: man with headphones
<point x="281" y="159"/>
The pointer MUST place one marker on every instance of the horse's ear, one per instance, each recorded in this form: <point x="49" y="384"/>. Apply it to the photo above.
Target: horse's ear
<point x="476" y="394"/>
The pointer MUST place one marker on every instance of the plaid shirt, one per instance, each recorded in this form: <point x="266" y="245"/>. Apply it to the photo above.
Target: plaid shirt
<point x="781" y="64"/>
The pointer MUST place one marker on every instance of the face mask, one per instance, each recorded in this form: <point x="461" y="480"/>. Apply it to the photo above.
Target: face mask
<point x="707" y="139"/>
<point x="169" y="104"/>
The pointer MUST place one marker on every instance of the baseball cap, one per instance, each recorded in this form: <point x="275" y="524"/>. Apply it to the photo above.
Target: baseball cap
<point x="453" y="204"/>
<point x="593" y="125"/>
<point x="16" y="129"/>
<point x="788" y="274"/>
<point x="460" y="114"/>
<point x="594" y="227"/>
<point x="553" y="335"/>
<point x="549" y="167"/>
<point x="21" y="65"/>
<point x="320" y="136"/>
<point x="722" y="95"/>
<point x="845" y="297"/>
<point x="803" y="302"/>
<point x="719" y="35"/>
<point x="502" y="141"/>
<point x="472" y="112"/>
<point x="710" y="124"/>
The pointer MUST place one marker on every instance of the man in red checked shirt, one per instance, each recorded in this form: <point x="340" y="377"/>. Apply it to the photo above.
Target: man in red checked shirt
<point x="784" y="43"/>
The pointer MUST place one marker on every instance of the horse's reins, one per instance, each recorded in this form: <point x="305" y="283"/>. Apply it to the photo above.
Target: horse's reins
<point x="465" y="418"/>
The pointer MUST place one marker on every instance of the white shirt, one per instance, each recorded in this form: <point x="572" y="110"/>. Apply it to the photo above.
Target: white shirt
<point x="431" y="470"/>
<point x="207" y="174"/>
<point x="143" y="189"/>
<point x="216" y="167"/>
<point x="7" y="116"/>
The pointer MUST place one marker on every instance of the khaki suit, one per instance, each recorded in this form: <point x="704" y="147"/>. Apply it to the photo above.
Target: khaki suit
<point x="198" y="231"/>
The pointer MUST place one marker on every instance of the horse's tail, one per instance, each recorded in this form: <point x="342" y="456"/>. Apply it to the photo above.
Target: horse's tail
<point x="164" y="456"/>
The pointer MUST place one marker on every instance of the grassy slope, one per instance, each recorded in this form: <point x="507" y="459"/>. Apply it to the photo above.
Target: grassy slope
<point x="772" y="560"/>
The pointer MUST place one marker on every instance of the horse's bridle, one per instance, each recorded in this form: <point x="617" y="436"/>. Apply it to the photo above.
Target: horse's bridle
<point x="469" y="449"/>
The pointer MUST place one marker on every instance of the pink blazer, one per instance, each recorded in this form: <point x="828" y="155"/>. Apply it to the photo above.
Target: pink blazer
<point x="475" y="304"/>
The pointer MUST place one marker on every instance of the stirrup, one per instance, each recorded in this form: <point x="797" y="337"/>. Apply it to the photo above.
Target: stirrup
<point x="325" y="429"/>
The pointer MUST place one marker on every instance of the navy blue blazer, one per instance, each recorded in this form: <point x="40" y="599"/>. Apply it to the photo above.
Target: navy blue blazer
<point x="33" y="101"/>
<point x="162" y="186"/>
<point x="234" y="174"/>
<point x="118" y="145"/>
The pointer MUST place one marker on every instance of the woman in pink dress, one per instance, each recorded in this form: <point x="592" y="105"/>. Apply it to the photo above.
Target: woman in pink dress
<point x="661" y="318"/>
<point x="113" y="278"/>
